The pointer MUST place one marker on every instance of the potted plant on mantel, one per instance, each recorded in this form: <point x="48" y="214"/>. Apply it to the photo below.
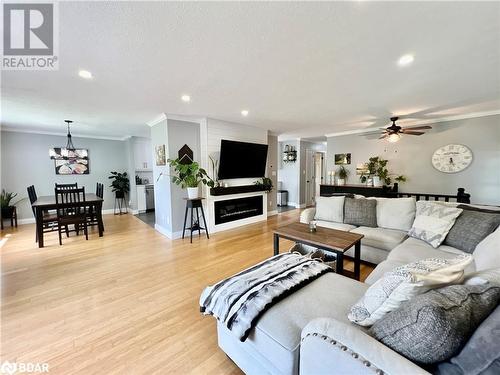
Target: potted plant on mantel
<point x="120" y="184"/>
<point x="343" y="173"/>
<point x="265" y="183"/>
<point x="6" y="205"/>
<point x="377" y="168"/>
<point x="190" y="176"/>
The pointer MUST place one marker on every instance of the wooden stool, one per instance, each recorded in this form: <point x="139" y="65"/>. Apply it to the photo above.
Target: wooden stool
<point x="195" y="204"/>
<point x="13" y="218"/>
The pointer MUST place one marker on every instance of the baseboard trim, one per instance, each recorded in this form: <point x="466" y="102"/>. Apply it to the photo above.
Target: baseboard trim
<point x="272" y="213"/>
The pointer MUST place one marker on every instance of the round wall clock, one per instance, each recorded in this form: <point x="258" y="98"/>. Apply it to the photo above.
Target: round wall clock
<point x="452" y="158"/>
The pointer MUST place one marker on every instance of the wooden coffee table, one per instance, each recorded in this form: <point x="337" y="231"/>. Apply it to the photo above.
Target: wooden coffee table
<point x="332" y="240"/>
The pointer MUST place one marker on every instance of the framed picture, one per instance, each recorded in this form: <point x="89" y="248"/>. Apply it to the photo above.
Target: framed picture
<point x="362" y="169"/>
<point x="341" y="159"/>
<point x="160" y="155"/>
<point x="72" y="166"/>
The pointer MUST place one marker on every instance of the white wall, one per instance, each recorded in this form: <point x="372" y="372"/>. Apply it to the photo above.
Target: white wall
<point x="272" y="170"/>
<point x="411" y="156"/>
<point x="25" y="161"/>
<point x="288" y="174"/>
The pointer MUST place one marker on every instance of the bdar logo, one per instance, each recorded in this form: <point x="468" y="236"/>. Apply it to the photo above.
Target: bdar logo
<point x="28" y="29"/>
<point x="9" y="368"/>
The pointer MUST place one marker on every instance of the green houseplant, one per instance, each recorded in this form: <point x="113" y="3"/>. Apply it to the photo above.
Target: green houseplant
<point x="190" y="176"/>
<point x="377" y="168"/>
<point x="6" y="203"/>
<point x="120" y="184"/>
<point x="266" y="183"/>
<point x="342" y="173"/>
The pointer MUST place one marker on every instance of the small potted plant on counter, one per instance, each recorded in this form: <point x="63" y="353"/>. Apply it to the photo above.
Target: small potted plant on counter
<point x="343" y="173"/>
<point x="120" y="184"/>
<point x="190" y="176"/>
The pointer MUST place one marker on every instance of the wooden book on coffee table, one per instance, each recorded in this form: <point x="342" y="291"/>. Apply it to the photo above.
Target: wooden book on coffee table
<point x="332" y="240"/>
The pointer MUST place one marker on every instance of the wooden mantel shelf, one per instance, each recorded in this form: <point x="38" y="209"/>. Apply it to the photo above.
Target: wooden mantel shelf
<point x="216" y="191"/>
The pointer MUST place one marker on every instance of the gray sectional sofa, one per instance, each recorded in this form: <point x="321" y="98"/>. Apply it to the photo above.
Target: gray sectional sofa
<point x="309" y="332"/>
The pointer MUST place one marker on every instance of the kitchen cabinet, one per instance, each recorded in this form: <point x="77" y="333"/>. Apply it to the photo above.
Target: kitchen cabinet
<point x="143" y="155"/>
<point x="141" y="198"/>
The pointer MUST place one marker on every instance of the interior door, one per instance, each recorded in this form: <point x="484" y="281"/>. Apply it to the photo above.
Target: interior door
<point x="310" y="178"/>
<point x="319" y="171"/>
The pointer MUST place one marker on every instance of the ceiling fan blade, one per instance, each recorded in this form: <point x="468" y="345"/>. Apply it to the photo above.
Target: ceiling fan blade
<point x="412" y="132"/>
<point x="419" y="127"/>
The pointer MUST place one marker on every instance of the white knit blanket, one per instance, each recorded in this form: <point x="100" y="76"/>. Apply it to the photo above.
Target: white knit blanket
<point x="240" y="300"/>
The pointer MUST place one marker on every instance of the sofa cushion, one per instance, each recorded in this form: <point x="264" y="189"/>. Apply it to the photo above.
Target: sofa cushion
<point x="481" y="354"/>
<point x="360" y="212"/>
<point x="412" y="249"/>
<point x="330" y="209"/>
<point x="277" y="334"/>
<point x="434" y="326"/>
<point x="471" y="227"/>
<point x="381" y="269"/>
<point x="332" y="225"/>
<point x="403" y="283"/>
<point x="395" y="213"/>
<point x="487" y="252"/>
<point x="386" y="239"/>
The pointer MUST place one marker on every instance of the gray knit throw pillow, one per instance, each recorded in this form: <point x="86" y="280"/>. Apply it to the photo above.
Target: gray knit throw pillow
<point x="434" y="326"/>
<point x="360" y="212"/>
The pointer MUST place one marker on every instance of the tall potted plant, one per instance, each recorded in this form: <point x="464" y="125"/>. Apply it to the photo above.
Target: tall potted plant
<point x="378" y="170"/>
<point x="343" y="173"/>
<point x="120" y="184"/>
<point x="6" y="203"/>
<point x="190" y="176"/>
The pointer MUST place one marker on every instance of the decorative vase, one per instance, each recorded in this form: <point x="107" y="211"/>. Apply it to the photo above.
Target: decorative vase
<point x="193" y="192"/>
<point x="340" y="181"/>
<point x="377" y="182"/>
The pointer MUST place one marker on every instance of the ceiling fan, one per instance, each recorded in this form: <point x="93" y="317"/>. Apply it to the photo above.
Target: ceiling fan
<point x="393" y="133"/>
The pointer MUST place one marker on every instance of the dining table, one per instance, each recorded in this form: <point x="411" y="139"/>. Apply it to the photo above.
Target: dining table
<point x="48" y="202"/>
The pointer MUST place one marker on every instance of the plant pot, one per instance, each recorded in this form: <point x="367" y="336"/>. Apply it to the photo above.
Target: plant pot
<point x="377" y="182"/>
<point x="7" y="212"/>
<point x="340" y="181"/>
<point x="119" y="194"/>
<point x="193" y="192"/>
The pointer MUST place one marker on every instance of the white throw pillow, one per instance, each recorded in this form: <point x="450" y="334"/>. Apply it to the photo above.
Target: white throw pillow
<point x="433" y="221"/>
<point x="395" y="213"/>
<point x="330" y="209"/>
<point x="403" y="283"/>
<point x="487" y="252"/>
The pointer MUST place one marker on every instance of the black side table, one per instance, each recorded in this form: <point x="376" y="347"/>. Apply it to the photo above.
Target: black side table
<point x="195" y="204"/>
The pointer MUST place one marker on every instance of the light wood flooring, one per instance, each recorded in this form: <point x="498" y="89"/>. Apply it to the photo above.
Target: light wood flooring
<point x="126" y="303"/>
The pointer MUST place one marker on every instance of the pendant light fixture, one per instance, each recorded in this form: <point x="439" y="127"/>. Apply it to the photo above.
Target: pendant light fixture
<point x="64" y="152"/>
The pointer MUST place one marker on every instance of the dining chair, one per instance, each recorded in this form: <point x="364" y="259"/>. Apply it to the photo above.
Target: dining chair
<point x="71" y="209"/>
<point x="49" y="219"/>
<point x="99" y="191"/>
<point x="66" y="186"/>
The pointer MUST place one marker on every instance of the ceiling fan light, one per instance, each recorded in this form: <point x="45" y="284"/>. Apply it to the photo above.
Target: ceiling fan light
<point x="393" y="138"/>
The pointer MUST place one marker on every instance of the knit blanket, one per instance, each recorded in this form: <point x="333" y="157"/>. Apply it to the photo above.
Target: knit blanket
<point x="240" y="300"/>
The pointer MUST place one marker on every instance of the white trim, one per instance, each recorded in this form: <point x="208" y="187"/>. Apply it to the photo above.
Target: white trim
<point x="303" y="205"/>
<point x="272" y="213"/>
<point x="163" y="231"/>
<point x="422" y="122"/>
<point x="157" y="120"/>
<point x="75" y="135"/>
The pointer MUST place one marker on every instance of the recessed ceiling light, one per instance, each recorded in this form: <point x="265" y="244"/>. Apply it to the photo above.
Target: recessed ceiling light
<point x="406" y="60"/>
<point x="85" y="74"/>
<point x="186" y="98"/>
<point x="244" y="113"/>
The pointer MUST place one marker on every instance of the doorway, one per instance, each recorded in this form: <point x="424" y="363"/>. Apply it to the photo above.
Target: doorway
<point x="315" y="175"/>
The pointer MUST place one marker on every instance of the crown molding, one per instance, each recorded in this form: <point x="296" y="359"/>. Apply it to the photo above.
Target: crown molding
<point x="76" y="135"/>
<point x="423" y="122"/>
<point x="157" y="120"/>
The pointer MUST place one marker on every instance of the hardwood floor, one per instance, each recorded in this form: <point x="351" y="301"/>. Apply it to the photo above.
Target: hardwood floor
<point x="126" y="303"/>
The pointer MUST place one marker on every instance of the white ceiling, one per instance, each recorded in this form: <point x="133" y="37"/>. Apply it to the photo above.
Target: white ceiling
<point x="301" y="69"/>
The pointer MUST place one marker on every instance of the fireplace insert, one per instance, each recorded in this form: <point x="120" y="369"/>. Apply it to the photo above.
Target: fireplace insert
<point x="237" y="209"/>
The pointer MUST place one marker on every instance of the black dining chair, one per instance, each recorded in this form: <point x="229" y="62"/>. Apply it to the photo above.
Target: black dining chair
<point x="71" y="209"/>
<point x="99" y="191"/>
<point x="66" y="186"/>
<point x="49" y="219"/>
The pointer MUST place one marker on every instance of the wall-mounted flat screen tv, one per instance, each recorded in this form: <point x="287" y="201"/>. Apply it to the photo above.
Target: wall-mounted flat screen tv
<point x="242" y="160"/>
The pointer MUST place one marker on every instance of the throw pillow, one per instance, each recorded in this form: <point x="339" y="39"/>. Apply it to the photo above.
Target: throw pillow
<point x="471" y="227"/>
<point x="360" y="212"/>
<point x="433" y="221"/>
<point x="487" y="252"/>
<point x="395" y="213"/>
<point x="403" y="283"/>
<point x="481" y="354"/>
<point x="434" y="326"/>
<point x="330" y="209"/>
